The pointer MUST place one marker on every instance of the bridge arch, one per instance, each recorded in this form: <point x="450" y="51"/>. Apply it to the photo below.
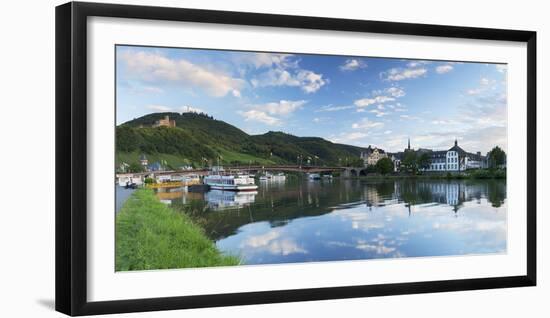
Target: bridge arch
<point x="363" y="172"/>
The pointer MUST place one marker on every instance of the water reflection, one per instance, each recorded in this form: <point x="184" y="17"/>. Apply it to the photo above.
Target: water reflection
<point x="321" y="220"/>
<point x="221" y="200"/>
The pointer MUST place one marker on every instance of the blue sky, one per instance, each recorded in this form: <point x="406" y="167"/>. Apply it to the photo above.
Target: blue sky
<point x="353" y="100"/>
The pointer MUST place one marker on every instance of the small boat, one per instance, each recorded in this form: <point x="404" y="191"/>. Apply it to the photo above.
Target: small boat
<point x="314" y="176"/>
<point x="129" y="185"/>
<point x="230" y="182"/>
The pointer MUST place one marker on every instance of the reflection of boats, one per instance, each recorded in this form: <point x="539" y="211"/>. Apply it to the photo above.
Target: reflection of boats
<point x="327" y="176"/>
<point x="273" y="177"/>
<point x="313" y="176"/>
<point x="278" y="177"/>
<point x="219" y="199"/>
<point x="218" y="181"/>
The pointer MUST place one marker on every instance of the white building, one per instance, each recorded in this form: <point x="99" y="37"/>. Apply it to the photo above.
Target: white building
<point x="372" y="155"/>
<point x="453" y="160"/>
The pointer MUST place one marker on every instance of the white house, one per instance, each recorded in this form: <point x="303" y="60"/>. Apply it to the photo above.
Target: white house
<point x="452" y="160"/>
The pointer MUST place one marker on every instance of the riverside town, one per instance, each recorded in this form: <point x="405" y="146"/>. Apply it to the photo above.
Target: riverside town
<point x="290" y="158"/>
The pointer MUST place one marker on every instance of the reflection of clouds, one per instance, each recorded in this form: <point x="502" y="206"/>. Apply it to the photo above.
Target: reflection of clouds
<point x="356" y="230"/>
<point x="360" y="220"/>
<point x="378" y="247"/>
<point x="273" y="243"/>
<point x="391" y="231"/>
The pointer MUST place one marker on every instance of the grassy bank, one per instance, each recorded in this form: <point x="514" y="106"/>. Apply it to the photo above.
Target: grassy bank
<point x="150" y="235"/>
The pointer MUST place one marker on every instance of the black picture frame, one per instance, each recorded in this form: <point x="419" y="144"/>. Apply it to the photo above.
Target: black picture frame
<point x="71" y="157"/>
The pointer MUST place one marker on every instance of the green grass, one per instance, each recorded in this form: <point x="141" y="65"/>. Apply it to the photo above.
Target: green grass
<point x="150" y="235"/>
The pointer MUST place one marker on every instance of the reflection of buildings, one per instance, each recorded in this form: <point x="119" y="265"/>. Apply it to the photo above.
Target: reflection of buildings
<point x="219" y="200"/>
<point x="450" y="193"/>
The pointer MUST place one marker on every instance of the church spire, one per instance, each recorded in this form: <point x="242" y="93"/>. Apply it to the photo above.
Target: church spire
<point x="456" y="142"/>
<point x="409" y="144"/>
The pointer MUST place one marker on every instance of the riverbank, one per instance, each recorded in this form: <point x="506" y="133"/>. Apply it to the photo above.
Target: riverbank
<point x="471" y="174"/>
<point x="150" y="235"/>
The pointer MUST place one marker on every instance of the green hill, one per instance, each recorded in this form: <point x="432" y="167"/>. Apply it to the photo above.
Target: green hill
<point x="199" y="137"/>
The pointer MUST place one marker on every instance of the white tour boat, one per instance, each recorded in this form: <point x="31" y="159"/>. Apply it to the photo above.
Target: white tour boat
<point x="230" y="182"/>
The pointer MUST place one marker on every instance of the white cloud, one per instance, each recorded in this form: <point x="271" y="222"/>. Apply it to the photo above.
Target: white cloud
<point x="330" y="108"/>
<point x="418" y="63"/>
<point x="444" y="122"/>
<point x="352" y="65"/>
<point x="410" y="117"/>
<point x="267" y="113"/>
<point x="308" y="81"/>
<point x="320" y="119"/>
<point x="395" y="91"/>
<point x="160" y="108"/>
<point x="349" y="137"/>
<point x="155" y="68"/>
<point x="501" y="67"/>
<point x="364" y="102"/>
<point x="399" y="74"/>
<point x="484" y="84"/>
<point x="379" y="113"/>
<point x="257" y="115"/>
<point x="259" y="60"/>
<point x="442" y="69"/>
<point x="366" y="123"/>
<point x="475" y="91"/>
<point x="282" y="107"/>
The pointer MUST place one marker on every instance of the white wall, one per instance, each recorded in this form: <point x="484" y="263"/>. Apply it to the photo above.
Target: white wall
<point x="27" y="210"/>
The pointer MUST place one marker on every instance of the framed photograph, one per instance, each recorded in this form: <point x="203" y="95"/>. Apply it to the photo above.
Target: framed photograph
<point x="208" y="158"/>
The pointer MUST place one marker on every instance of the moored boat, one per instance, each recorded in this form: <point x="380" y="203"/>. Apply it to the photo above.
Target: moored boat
<point x="314" y="176"/>
<point x="230" y="182"/>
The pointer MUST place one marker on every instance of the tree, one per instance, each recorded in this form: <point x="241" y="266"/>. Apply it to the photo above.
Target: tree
<point x="384" y="166"/>
<point x="149" y="181"/>
<point x="409" y="163"/>
<point x="135" y="167"/>
<point x="355" y="162"/>
<point x="496" y="157"/>
<point x="423" y="161"/>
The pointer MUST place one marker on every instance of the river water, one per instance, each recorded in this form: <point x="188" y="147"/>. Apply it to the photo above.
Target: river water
<point x="300" y="220"/>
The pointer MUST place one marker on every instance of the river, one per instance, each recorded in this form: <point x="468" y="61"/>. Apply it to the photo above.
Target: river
<point x="299" y="220"/>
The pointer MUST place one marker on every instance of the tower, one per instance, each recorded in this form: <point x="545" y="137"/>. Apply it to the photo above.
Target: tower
<point x="456" y="142"/>
<point x="143" y="160"/>
<point x="409" y="143"/>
